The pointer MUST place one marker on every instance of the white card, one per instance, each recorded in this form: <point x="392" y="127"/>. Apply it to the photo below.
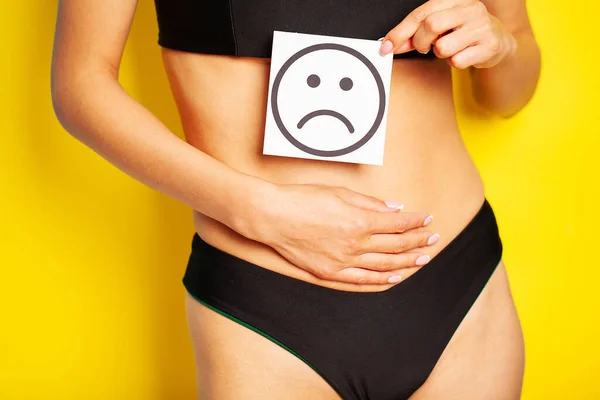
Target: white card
<point x="328" y="98"/>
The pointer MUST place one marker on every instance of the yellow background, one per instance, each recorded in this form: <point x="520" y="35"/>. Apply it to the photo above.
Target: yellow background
<point x="91" y="260"/>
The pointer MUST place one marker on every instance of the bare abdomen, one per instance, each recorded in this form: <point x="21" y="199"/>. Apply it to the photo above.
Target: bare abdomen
<point x="222" y="102"/>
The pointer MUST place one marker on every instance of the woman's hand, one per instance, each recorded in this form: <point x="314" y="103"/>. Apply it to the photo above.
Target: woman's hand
<point x="461" y="31"/>
<point x="338" y="234"/>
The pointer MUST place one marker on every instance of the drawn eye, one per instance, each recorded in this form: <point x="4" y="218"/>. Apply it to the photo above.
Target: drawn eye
<point x="346" y="84"/>
<point x="313" y="81"/>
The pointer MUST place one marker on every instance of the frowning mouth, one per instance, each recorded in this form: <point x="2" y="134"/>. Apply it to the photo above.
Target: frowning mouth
<point x="331" y="113"/>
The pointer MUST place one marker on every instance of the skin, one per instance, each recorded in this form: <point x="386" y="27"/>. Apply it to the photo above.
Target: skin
<point x="481" y="35"/>
<point x="323" y="222"/>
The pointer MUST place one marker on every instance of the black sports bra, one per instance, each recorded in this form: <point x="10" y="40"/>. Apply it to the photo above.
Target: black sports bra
<point x="245" y="27"/>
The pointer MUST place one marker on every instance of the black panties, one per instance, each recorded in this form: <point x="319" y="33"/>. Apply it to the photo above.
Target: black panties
<point x="366" y="345"/>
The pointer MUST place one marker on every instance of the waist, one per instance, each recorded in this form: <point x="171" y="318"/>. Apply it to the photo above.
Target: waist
<point x="445" y="185"/>
<point x="426" y="165"/>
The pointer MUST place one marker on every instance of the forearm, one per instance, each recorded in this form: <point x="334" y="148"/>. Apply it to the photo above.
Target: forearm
<point x="97" y="111"/>
<point x="507" y="87"/>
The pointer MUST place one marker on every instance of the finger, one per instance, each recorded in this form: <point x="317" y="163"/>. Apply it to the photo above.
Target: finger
<point x="405" y="47"/>
<point x="361" y="276"/>
<point x="399" y="243"/>
<point x="470" y="56"/>
<point x="453" y="43"/>
<point x="408" y="27"/>
<point x="397" y="223"/>
<point x="386" y="262"/>
<point x="369" y="202"/>
<point x="436" y="24"/>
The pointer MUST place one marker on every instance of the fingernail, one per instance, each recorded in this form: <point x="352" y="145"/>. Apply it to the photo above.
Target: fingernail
<point x="380" y="39"/>
<point x="428" y="220"/>
<point x="394" y="279"/>
<point x="393" y="204"/>
<point x="422" y="260"/>
<point x="386" y="47"/>
<point x="433" y="239"/>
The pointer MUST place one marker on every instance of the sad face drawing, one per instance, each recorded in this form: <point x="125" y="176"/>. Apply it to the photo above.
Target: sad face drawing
<point x="328" y="100"/>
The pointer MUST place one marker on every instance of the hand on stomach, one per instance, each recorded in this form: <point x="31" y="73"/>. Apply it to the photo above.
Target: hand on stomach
<point x="325" y="222"/>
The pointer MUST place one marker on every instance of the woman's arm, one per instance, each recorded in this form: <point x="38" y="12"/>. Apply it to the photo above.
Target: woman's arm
<point x="94" y="108"/>
<point x="334" y="233"/>
<point x="506" y="88"/>
<point x="491" y="37"/>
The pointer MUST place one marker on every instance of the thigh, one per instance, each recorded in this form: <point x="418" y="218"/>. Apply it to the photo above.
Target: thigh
<point x="234" y="362"/>
<point x="485" y="358"/>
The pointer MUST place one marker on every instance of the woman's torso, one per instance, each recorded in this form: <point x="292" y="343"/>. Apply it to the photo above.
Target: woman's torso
<point x="222" y="103"/>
